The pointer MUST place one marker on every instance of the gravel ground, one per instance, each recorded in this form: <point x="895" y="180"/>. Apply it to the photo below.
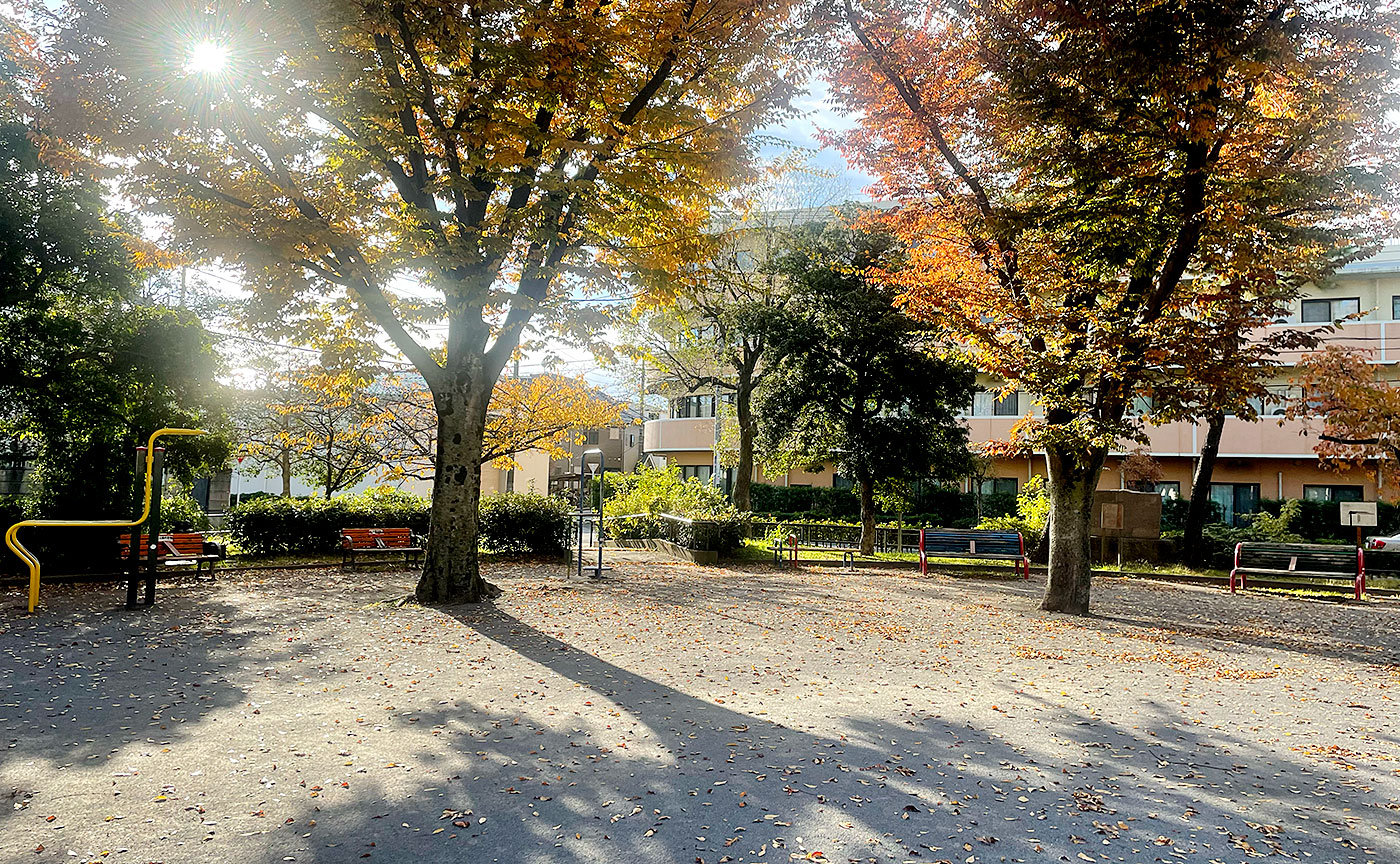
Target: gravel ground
<point x="680" y="714"/>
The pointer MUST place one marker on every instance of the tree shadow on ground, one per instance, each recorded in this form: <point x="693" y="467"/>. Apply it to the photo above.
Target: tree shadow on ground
<point x="635" y="770"/>
<point x="585" y="755"/>
<point x="1347" y="632"/>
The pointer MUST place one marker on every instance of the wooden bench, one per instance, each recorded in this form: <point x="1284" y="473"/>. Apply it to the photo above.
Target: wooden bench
<point x="175" y="549"/>
<point x="1307" y="561"/>
<point x="378" y="541"/>
<point x="971" y="543"/>
<point x="786" y="549"/>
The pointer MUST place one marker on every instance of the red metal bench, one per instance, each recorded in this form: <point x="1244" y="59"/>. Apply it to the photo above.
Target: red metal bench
<point x="175" y="549"/>
<point x="361" y="541"/>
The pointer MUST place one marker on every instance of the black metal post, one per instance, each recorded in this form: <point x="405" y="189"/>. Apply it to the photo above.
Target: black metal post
<point x="153" y="544"/>
<point x="602" y="472"/>
<point x="582" y="501"/>
<point x="134" y="565"/>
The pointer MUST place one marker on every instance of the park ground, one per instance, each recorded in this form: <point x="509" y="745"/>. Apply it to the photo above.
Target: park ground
<point x="679" y="714"/>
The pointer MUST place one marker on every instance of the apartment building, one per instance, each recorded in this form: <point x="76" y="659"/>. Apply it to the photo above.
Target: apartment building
<point x="1267" y="458"/>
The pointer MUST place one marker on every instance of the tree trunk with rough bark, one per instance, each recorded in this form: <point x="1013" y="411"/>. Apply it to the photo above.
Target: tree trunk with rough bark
<point x="451" y="567"/>
<point x="743" y="472"/>
<point x="1198" y="508"/>
<point x="867" y="516"/>
<point x="1073" y="477"/>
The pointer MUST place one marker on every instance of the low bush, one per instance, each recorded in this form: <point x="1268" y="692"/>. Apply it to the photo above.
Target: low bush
<point x="512" y="522"/>
<point x="273" y="525"/>
<point x="811" y="500"/>
<point x="179" y="512"/>
<point x="1032" y="513"/>
<point x="1220" y="540"/>
<point x="649" y="492"/>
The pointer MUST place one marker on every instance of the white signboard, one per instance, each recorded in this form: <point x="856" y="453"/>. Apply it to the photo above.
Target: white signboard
<point x="1361" y="513"/>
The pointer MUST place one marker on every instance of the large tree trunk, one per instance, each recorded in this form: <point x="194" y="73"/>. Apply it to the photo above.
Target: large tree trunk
<point x="743" y="472"/>
<point x="1073" y="477"/>
<point x="285" y="463"/>
<point x="1199" y="505"/>
<point x="867" y="516"/>
<point x="451" y="569"/>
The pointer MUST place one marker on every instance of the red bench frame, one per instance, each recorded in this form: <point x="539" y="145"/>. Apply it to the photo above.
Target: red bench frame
<point x="356" y="541"/>
<point x="174" y="549"/>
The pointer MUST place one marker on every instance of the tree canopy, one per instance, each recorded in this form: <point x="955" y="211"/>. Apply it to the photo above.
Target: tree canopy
<point x="1354" y="411"/>
<point x="86" y="371"/>
<point x="380" y="166"/>
<point x="859" y="385"/>
<point x="1094" y="196"/>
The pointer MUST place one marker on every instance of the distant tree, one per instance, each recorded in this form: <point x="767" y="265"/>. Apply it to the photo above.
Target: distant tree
<point x="541" y="412"/>
<point x="1084" y="186"/>
<point x="716" y="335"/>
<point x="1353" y="410"/>
<point x="336" y="427"/>
<point x="87" y="371"/>
<point x="859" y="385"/>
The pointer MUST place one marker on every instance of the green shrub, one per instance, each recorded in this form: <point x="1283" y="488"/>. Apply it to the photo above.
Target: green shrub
<point x="512" y="522"/>
<point x="179" y="512"/>
<point x="651" y="492"/>
<point x="1032" y="513"/>
<point x="269" y="526"/>
<point x="1220" y="540"/>
<point x="814" y="500"/>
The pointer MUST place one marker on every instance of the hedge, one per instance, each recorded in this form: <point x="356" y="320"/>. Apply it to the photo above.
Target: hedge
<point x="513" y="522"/>
<point x="509" y="522"/>
<point x="273" y="525"/>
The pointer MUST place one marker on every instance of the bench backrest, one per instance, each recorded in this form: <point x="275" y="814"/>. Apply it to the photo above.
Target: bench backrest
<point x="170" y="545"/>
<point x="1298" y="557"/>
<point x="376" y="538"/>
<point x="972" y="542"/>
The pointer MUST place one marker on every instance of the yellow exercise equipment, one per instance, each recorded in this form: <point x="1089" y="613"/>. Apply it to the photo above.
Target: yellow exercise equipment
<point x="12" y="535"/>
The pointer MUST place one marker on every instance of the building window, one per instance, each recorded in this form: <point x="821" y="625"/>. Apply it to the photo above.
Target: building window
<point x="1008" y="406"/>
<point x="999" y="486"/>
<point x="1170" y="490"/>
<point x="631" y="439"/>
<point x="1331" y="493"/>
<point x="703" y="473"/>
<point x="693" y="406"/>
<point x="1236" y="500"/>
<point x="1395" y="307"/>
<point x="590" y="436"/>
<point x="1324" y="311"/>
<point x="510" y="480"/>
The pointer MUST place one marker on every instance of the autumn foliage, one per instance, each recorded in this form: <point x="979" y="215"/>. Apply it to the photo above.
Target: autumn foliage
<point x="1354" y="411"/>
<point x="1100" y="198"/>
<point x="378" y="167"/>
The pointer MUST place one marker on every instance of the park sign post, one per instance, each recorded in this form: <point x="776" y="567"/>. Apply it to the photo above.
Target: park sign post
<point x="1361" y="514"/>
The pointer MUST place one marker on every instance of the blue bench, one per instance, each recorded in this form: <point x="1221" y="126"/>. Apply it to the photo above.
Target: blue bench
<point x="971" y="543"/>
<point x="1307" y="561"/>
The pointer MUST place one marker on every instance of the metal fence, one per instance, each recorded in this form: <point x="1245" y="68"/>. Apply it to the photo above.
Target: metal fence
<point x="838" y="536"/>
